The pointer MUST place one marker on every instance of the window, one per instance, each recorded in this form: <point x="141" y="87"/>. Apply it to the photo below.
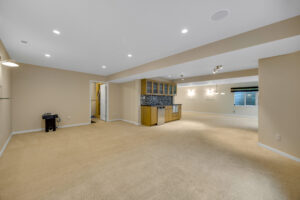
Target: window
<point x="245" y="98"/>
<point x="250" y="98"/>
<point x="239" y="99"/>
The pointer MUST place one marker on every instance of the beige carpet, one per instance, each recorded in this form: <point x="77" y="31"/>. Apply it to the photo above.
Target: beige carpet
<point x="199" y="157"/>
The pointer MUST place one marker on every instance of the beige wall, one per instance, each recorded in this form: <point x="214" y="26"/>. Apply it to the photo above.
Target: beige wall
<point x="279" y="110"/>
<point x="5" y="104"/>
<point x="36" y="90"/>
<point x="223" y="104"/>
<point x="124" y="101"/>
<point x="115" y="106"/>
<point x="131" y="105"/>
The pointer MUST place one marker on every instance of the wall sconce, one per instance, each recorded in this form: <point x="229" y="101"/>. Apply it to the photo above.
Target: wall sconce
<point x="191" y="92"/>
<point x="210" y="92"/>
<point x="214" y="91"/>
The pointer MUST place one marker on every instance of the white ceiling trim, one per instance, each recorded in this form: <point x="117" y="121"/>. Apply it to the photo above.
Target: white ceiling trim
<point x="247" y="79"/>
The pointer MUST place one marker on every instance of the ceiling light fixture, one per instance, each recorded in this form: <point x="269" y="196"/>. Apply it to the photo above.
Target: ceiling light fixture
<point x="219" y="15"/>
<point x="56" y="32"/>
<point x="217" y="68"/>
<point x="103" y="67"/>
<point x="184" y="31"/>
<point x="129" y="55"/>
<point x="47" y="55"/>
<point x="9" y="63"/>
<point x="181" y="76"/>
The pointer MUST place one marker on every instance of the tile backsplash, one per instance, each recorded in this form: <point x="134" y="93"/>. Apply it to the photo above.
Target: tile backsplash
<point x="153" y="100"/>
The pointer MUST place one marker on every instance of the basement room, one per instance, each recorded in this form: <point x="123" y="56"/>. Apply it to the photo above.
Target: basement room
<point x="149" y="100"/>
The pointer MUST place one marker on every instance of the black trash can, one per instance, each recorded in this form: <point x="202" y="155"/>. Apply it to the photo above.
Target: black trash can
<point x="50" y="121"/>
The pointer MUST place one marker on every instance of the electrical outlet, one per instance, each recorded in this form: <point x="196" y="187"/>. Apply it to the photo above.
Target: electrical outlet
<point x="278" y="137"/>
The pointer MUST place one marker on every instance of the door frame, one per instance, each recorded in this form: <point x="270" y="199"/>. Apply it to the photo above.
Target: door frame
<point x="98" y="101"/>
<point x="107" y="99"/>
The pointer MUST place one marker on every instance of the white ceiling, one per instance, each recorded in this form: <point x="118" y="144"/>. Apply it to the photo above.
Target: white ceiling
<point x="242" y="59"/>
<point x="103" y="32"/>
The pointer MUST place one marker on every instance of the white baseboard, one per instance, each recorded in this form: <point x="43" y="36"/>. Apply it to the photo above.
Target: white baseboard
<point x="223" y="114"/>
<point x="5" y="145"/>
<point x="130" y="122"/>
<point x="42" y="129"/>
<point x="114" y="120"/>
<point x="73" y="125"/>
<point x="68" y="126"/>
<point x="27" y="131"/>
<point x="279" y="152"/>
<point x="124" y="120"/>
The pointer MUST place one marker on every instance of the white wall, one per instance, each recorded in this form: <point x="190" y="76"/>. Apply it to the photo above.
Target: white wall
<point x="93" y="98"/>
<point x="223" y="104"/>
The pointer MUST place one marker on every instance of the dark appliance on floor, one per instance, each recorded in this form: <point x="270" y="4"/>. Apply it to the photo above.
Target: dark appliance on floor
<point x="50" y="121"/>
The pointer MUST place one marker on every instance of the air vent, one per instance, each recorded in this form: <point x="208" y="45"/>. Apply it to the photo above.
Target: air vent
<point x="24" y="42"/>
<point x="245" y="89"/>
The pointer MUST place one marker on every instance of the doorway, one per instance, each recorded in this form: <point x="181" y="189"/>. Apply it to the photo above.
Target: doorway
<point x="98" y="101"/>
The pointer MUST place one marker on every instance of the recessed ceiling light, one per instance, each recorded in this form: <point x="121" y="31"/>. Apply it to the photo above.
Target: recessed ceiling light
<point x="103" y="67"/>
<point x="219" y="15"/>
<point x="184" y="31"/>
<point x="47" y="55"/>
<point x="56" y="32"/>
<point x="129" y="55"/>
<point x="9" y="64"/>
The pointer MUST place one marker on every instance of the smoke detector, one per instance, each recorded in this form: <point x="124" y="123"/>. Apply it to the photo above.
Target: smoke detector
<point x="181" y="76"/>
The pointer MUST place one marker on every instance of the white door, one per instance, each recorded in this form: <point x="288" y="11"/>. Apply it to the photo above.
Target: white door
<point x="103" y="102"/>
